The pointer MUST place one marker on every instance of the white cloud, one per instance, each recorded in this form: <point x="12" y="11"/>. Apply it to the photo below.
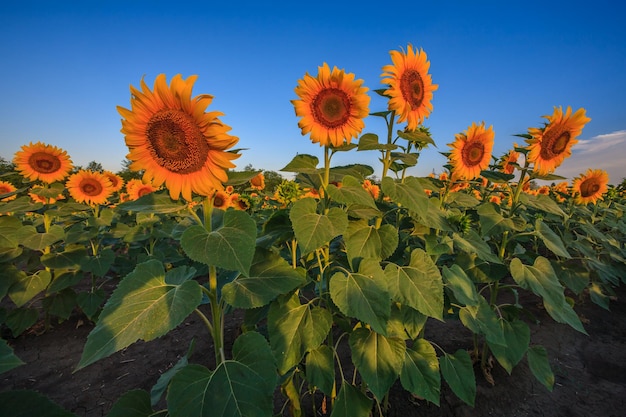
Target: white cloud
<point x="607" y="152"/>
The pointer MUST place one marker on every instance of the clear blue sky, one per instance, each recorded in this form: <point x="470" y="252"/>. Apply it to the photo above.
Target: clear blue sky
<point x="67" y="65"/>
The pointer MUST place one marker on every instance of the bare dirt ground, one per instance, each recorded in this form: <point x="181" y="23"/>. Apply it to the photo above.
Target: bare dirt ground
<point x="590" y="370"/>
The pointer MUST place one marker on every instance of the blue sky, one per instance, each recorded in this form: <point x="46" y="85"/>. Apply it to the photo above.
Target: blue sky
<point x="67" y="65"/>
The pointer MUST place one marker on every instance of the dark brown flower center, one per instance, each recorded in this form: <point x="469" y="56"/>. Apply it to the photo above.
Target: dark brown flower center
<point x="176" y="142"/>
<point x="589" y="187"/>
<point x="412" y="87"/>
<point x="554" y="143"/>
<point x="473" y="153"/>
<point x="44" y="163"/>
<point x="218" y="201"/>
<point x="91" y="187"/>
<point x="331" y="108"/>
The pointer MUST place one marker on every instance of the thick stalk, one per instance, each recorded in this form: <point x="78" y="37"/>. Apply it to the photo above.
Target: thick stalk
<point x="387" y="152"/>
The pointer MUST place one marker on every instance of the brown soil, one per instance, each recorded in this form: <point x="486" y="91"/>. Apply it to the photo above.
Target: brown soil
<point x="590" y="370"/>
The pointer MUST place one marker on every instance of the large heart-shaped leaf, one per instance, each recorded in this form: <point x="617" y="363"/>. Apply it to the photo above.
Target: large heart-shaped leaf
<point x="458" y="372"/>
<point x="144" y="307"/>
<point x="542" y="280"/>
<point x="418" y="285"/>
<point x="312" y="229"/>
<point x="481" y="319"/>
<point x="351" y="192"/>
<point x="363" y="295"/>
<point x="517" y="337"/>
<point x="378" y="359"/>
<point x="409" y="194"/>
<point x="462" y="286"/>
<point x="420" y="371"/>
<point x="294" y="329"/>
<point x="230" y="246"/>
<point x="28" y="286"/>
<point x="30" y="238"/>
<point x="99" y="264"/>
<point x="365" y="241"/>
<point x="270" y="276"/>
<point x="320" y="368"/>
<point x="471" y="242"/>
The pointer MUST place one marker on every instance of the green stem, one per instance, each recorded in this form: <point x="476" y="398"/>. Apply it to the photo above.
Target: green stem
<point x="387" y="152"/>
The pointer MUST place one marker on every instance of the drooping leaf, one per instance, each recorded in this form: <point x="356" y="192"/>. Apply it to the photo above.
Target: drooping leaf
<point x="70" y="257"/>
<point x="420" y="371"/>
<point x="163" y="382"/>
<point x="30" y="238"/>
<point x="230" y="246"/>
<point x="8" y="359"/>
<point x="365" y="241"/>
<point x="409" y="194"/>
<point x="24" y="403"/>
<point x="471" y="242"/>
<point x="378" y="359"/>
<point x="517" y="337"/>
<point x="492" y="222"/>
<point x="541" y="202"/>
<point x="144" y="307"/>
<point x="134" y="403"/>
<point x="90" y="302"/>
<point x="294" y="329"/>
<point x="20" y="319"/>
<point x="418" y="285"/>
<point x="481" y="319"/>
<point x="458" y="372"/>
<point x="363" y="295"/>
<point x="302" y="163"/>
<point x="540" y="366"/>
<point x="270" y="276"/>
<point x="551" y="239"/>
<point x="28" y="286"/>
<point x="351" y="402"/>
<point x="542" y="281"/>
<point x="320" y="368"/>
<point x="462" y="286"/>
<point x="312" y="229"/>
<point x="99" y="264"/>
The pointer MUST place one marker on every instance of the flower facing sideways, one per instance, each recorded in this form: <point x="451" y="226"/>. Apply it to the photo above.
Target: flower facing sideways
<point x="589" y="187"/>
<point x="6" y="188"/>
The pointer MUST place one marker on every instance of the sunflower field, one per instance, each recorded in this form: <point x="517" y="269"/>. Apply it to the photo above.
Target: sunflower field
<point x="331" y="258"/>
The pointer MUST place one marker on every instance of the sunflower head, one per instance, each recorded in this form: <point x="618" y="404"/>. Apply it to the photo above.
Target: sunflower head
<point x="331" y="105"/>
<point x="116" y="181"/>
<point x="171" y="136"/>
<point x="90" y="187"/>
<point x="7" y="188"/>
<point x="410" y="86"/>
<point x="509" y="161"/>
<point x="137" y="188"/>
<point x="471" y="151"/>
<point x="39" y="161"/>
<point x="221" y="200"/>
<point x="589" y="187"/>
<point x="550" y="145"/>
<point x="258" y="182"/>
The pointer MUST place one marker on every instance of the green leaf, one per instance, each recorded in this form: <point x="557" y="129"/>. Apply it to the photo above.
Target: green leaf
<point x="28" y="286"/>
<point x="134" y="403"/>
<point x="8" y="360"/>
<point x="359" y="171"/>
<point x="164" y="380"/>
<point x="237" y="388"/>
<point x="572" y="274"/>
<point x="157" y="202"/>
<point x="365" y="241"/>
<point x="20" y="319"/>
<point x="60" y="304"/>
<point x="409" y="194"/>
<point x="492" y="222"/>
<point x="378" y="359"/>
<point x="497" y="176"/>
<point x="420" y="371"/>
<point x="70" y="257"/>
<point x="9" y="275"/>
<point x="542" y="281"/>
<point x="418" y="285"/>
<point x="351" y="192"/>
<point x="363" y="295"/>
<point x="369" y="142"/>
<point x="270" y="276"/>
<point x="20" y="205"/>
<point x="320" y="369"/>
<point x="100" y="264"/>
<point x="240" y="177"/>
<point x="458" y="372"/>
<point x="421" y="137"/>
<point x="471" y="242"/>
<point x="30" y="238"/>
<point x="29" y="403"/>
<point x="552" y="241"/>
<point x="540" y="366"/>
<point x="312" y="229"/>
<point x="302" y="163"/>
<point x="144" y="307"/>
<point x="351" y="402"/>
<point x="541" y="202"/>
<point x="481" y="319"/>
<point x="517" y="337"/>
<point x="90" y="302"/>
<point x="295" y="329"/>
<point x="65" y="279"/>
<point x="462" y="286"/>
<point x="462" y="200"/>
<point x="230" y="246"/>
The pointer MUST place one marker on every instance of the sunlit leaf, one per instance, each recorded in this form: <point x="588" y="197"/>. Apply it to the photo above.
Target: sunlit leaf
<point x="458" y="372"/>
<point x="542" y="280"/>
<point x="369" y="142"/>
<point x="143" y="307"/>
<point x="418" y="285"/>
<point x="351" y="192"/>
<point x="295" y="328"/>
<point x="540" y="366"/>
<point x="471" y="242"/>
<point x="541" y="202"/>
<point x="378" y="359"/>
<point x="70" y="257"/>
<point x="492" y="222"/>
<point x="312" y="229"/>
<point x="27" y="286"/>
<point x="302" y="163"/>
<point x="420" y="371"/>
<point x="30" y="238"/>
<point x="365" y="241"/>
<point x="157" y="202"/>
<point x="409" y="193"/>
<point x="462" y="286"/>
<point x="230" y="246"/>
<point x="363" y="295"/>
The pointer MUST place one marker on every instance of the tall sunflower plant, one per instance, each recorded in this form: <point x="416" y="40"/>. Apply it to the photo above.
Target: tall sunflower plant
<point x="332" y="260"/>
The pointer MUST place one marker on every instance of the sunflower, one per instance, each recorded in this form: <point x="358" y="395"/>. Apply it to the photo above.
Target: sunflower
<point x="89" y="187"/>
<point x="7" y="188"/>
<point x="371" y="188"/>
<point x="258" y="182"/>
<point x="174" y="140"/>
<point x="471" y="151"/>
<point x="589" y="187"/>
<point x="137" y="188"/>
<point x="550" y="145"/>
<point x="331" y="106"/>
<point x="221" y="200"/>
<point x="509" y="160"/>
<point x="39" y="161"/>
<point x="116" y="181"/>
<point x="410" y="86"/>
